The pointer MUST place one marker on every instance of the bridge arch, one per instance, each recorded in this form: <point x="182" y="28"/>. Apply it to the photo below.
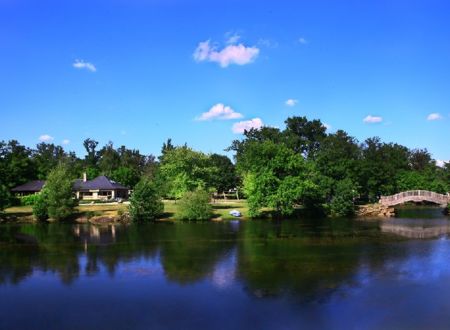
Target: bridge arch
<point x="415" y="196"/>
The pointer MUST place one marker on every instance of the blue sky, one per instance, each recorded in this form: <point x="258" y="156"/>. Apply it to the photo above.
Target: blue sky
<point x="138" y="72"/>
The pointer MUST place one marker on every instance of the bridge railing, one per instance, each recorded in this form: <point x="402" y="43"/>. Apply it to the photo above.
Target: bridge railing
<point x="415" y="193"/>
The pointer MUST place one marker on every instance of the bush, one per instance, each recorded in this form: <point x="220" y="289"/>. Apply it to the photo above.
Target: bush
<point x="342" y="204"/>
<point x="56" y="199"/>
<point x="40" y="208"/>
<point x="195" y="206"/>
<point x="29" y="200"/>
<point x="145" y="202"/>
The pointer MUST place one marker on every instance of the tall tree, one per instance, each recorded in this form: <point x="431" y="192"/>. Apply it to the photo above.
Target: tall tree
<point x="16" y="165"/>
<point x="46" y="157"/>
<point x="184" y="169"/>
<point x="304" y="136"/>
<point x="92" y="155"/>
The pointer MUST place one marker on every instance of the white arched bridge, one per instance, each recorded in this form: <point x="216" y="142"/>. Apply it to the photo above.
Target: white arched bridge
<point x="416" y="196"/>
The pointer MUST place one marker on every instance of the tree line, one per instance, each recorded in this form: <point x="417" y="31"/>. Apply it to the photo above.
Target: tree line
<point x="299" y="166"/>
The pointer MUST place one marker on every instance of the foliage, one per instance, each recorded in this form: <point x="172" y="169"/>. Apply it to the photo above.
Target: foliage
<point x="277" y="177"/>
<point x="29" y="199"/>
<point x="58" y="194"/>
<point x="195" y="205"/>
<point x="4" y="197"/>
<point x="40" y="207"/>
<point x="342" y="202"/>
<point x="184" y="169"/>
<point x="46" y="157"/>
<point x="146" y="203"/>
<point x="127" y="176"/>
<point x="16" y="164"/>
<point x="224" y="178"/>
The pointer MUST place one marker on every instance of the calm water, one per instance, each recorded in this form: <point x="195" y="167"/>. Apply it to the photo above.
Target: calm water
<point x="251" y="275"/>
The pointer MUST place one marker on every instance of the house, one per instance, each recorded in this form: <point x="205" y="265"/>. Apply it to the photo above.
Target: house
<point x="29" y="188"/>
<point x="100" y="188"/>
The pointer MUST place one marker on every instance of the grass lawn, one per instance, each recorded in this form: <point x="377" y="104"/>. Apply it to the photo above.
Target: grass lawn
<point x="221" y="210"/>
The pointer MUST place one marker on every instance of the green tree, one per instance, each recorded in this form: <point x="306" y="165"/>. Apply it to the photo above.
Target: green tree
<point x="184" y="169"/>
<point x="58" y="195"/>
<point x="277" y="177"/>
<point x="145" y="202"/>
<point x="16" y="165"/>
<point x="46" y="157"/>
<point x="109" y="159"/>
<point x="379" y="167"/>
<point x="40" y="207"/>
<point x="342" y="202"/>
<point x="224" y="178"/>
<point x="5" y="197"/>
<point x="304" y="136"/>
<point x="195" y="205"/>
<point x="126" y="176"/>
<point x="92" y="156"/>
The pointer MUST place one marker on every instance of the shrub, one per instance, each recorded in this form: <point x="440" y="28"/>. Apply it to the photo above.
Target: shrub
<point x="195" y="206"/>
<point x="29" y="200"/>
<point x="342" y="201"/>
<point x="146" y="203"/>
<point x="57" y="195"/>
<point x="40" y="208"/>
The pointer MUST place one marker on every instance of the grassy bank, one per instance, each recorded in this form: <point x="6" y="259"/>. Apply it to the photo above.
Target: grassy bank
<point x="221" y="210"/>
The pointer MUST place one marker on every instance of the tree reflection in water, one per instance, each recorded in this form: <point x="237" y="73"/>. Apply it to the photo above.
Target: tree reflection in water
<point x="306" y="260"/>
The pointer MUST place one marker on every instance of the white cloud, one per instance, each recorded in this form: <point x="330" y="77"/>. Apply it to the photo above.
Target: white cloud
<point x="220" y="111"/>
<point x="441" y="163"/>
<point x="372" y="119"/>
<point x="327" y="126"/>
<point x="291" y="102"/>
<point x="231" y="54"/>
<point x="302" y="41"/>
<point x="233" y="38"/>
<point x="267" y="43"/>
<point x="242" y="126"/>
<point x="46" y="138"/>
<point x="434" y="116"/>
<point x="65" y="141"/>
<point x="80" y="64"/>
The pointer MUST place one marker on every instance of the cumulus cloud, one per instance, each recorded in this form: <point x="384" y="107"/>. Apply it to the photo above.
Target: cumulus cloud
<point x="302" y="41"/>
<point x="80" y="64"/>
<point x="220" y="111"/>
<point x="231" y="54"/>
<point x="434" y="116"/>
<point x="65" y="141"/>
<point x="372" y="119"/>
<point x="291" y="102"/>
<point x="441" y="163"/>
<point x="327" y="126"/>
<point x="46" y="138"/>
<point x="246" y="125"/>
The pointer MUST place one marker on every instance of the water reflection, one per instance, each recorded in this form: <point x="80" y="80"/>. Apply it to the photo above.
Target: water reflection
<point x="416" y="228"/>
<point x="309" y="262"/>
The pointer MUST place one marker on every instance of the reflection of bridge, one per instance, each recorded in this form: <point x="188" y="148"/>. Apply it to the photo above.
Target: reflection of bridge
<point x="414" y="231"/>
<point x="415" y="196"/>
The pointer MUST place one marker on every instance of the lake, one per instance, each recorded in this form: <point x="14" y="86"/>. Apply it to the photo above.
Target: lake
<point x="260" y="274"/>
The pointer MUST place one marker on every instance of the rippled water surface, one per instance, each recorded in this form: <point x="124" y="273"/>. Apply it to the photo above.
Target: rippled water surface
<point x="318" y="274"/>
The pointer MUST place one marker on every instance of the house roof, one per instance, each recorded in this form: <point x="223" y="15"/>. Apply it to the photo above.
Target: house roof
<point x="99" y="183"/>
<point x="32" y="186"/>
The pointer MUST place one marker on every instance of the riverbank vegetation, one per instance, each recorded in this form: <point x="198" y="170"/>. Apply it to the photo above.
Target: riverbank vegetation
<point x="300" y="166"/>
